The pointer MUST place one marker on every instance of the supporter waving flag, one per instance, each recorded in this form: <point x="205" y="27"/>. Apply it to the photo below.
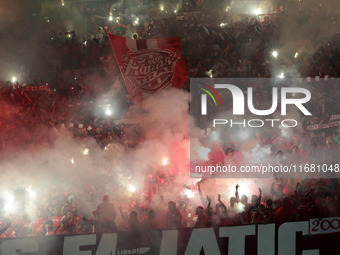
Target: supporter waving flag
<point x="150" y="65"/>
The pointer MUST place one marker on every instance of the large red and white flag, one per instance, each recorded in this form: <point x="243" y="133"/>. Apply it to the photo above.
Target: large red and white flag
<point x="150" y="65"/>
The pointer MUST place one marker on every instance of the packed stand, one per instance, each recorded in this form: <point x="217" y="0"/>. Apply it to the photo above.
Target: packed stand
<point x="64" y="213"/>
<point x="31" y="113"/>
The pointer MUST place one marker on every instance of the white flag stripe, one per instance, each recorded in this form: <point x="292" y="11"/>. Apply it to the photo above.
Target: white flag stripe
<point x="152" y="43"/>
<point x="131" y="44"/>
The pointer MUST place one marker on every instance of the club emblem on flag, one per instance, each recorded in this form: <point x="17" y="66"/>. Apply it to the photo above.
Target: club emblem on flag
<point x="149" y="66"/>
<point x="149" y="71"/>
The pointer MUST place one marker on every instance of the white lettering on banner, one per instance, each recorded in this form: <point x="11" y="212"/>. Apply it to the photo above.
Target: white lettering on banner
<point x="72" y="244"/>
<point x="237" y="238"/>
<point x="266" y="239"/>
<point x="324" y="226"/>
<point x="10" y="247"/>
<point x="107" y="245"/>
<point x="202" y="238"/>
<point x="287" y="237"/>
<point x="169" y="242"/>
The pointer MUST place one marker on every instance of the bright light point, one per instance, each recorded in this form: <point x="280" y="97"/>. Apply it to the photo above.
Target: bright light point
<point x="72" y="161"/>
<point x="165" y="161"/>
<point x="106" y="148"/>
<point x="86" y="151"/>
<point x="14" y="79"/>
<point x="31" y="193"/>
<point x="9" y="206"/>
<point x="282" y="75"/>
<point x="209" y="73"/>
<point x="136" y="22"/>
<point x="222" y="25"/>
<point x="131" y="188"/>
<point x="296" y="54"/>
<point x="227" y="10"/>
<point x="275" y="54"/>
<point x="110" y="18"/>
<point x="175" y="11"/>
<point x="189" y="193"/>
<point x="239" y="207"/>
<point x="108" y="112"/>
<point x="243" y="189"/>
<point x="257" y="11"/>
<point x="203" y="153"/>
<point x="161" y="7"/>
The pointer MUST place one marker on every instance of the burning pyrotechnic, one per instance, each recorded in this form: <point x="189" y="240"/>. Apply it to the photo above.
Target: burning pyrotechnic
<point x="31" y="192"/>
<point x="282" y="75"/>
<point x="72" y="161"/>
<point x="161" y="7"/>
<point x="9" y="203"/>
<point x="110" y="18"/>
<point x="209" y="73"/>
<point x="189" y="193"/>
<point x="275" y="54"/>
<point x="296" y="54"/>
<point x="239" y="207"/>
<point x="136" y="22"/>
<point x="165" y="161"/>
<point x="108" y="110"/>
<point x="14" y="79"/>
<point x="243" y="189"/>
<point x="86" y="151"/>
<point x="257" y="11"/>
<point x="131" y="188"/>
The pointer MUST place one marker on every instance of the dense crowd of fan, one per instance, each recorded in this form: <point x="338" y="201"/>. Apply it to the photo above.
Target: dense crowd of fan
<point x="235" y="49"/>
<point x="64" y="213"/>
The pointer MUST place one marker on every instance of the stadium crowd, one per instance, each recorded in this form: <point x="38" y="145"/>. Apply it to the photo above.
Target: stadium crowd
<point x="64" y="213"/>
<point x="33" y="105"/>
